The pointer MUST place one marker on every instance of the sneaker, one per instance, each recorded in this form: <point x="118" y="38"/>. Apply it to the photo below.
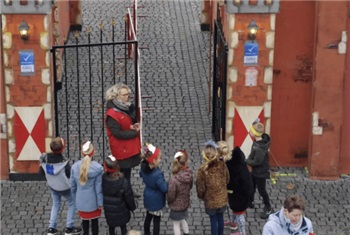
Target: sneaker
<point x="52" y="231"/>
<point x="265" y="214"/>
<point x="231" y="225"/>
<point x="74" y="230"/>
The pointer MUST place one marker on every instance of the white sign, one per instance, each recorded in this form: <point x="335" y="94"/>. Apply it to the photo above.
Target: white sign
<point x="251" y="76"/>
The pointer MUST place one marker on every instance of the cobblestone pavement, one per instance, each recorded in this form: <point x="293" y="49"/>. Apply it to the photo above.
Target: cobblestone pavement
<point x="174" y="73"/>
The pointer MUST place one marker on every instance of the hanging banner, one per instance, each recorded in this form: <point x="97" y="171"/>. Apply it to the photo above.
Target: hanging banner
<point x="251" y="51"/>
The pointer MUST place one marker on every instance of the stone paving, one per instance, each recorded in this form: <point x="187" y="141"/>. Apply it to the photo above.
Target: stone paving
<point x="174" y="73"/>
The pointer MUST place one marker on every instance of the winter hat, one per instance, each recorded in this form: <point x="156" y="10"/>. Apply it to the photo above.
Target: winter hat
<point x="87" y="149"/>
<point x="211" y="143"/>
<point x="57" y="145"/>
<point x="155" y="153"/>
<point x="257" y="128"/>
<point x="112" y="168"/>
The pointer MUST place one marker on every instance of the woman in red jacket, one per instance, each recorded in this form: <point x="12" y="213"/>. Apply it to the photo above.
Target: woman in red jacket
<point x="123" y="130"/>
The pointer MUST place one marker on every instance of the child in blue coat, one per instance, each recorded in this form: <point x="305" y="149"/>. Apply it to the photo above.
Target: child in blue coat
<point x="86" y="181"/>
<point x="155" y="188"/>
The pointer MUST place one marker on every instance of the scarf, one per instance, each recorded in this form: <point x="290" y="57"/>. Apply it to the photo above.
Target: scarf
<point x="121" y="106"/>
<point x="291" y="228"/>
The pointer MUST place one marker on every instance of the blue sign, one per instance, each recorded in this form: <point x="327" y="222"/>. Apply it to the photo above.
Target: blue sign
<point x="251" y="51"/>
<point x="26" y="58"/>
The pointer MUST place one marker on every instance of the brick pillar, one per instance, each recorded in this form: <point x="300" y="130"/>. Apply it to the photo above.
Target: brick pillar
<point x="245" y="101"/>
<point x="28" y="98"/>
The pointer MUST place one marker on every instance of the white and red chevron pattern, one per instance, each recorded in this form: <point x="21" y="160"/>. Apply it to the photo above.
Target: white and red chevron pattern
<point x="244" y="117"/>
<point x="29" y="131"/>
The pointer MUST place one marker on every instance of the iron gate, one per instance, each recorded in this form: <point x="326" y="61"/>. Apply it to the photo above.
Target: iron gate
<point x="82" y="74"/>
<point x="219" y="83"/>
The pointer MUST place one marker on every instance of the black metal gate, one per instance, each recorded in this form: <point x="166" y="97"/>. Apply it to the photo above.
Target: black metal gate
<point x="219" y="83"/>
<point x="82" y="73"/>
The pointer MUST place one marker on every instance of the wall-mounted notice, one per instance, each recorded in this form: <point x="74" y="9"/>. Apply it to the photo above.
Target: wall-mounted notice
<point x="251" y="76"/>
<point x="26" y="58"/>
<point x="251" y="51"/>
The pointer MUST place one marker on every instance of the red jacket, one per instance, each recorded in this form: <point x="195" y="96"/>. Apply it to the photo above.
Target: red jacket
<point x="122" y="148"/>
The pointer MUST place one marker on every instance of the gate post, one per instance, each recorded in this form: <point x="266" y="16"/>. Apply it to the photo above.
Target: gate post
<point x="27" y="84"/>
<point x="249" y="68"/>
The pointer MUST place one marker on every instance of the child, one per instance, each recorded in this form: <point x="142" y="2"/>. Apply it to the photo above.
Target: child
<point x="57" y="171"/>
<point x="86" y="184"/>
<point x="118" y="198"/>
<point x="224" y="153"/>
<point x="240" y="186"/>
<point x="155" y="188"/>
<point x="179" y="192"/>
<point x="212" y="178"/>
<point x="259" y="161"/>
<point x="290" y="219"/>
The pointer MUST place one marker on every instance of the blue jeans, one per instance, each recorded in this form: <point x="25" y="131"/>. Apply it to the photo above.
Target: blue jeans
<point x="217" y="224"/>
<point x="56" y="206"/>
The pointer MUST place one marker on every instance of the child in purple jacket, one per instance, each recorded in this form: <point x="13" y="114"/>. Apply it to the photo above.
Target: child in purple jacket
<point x="178" y="195"/>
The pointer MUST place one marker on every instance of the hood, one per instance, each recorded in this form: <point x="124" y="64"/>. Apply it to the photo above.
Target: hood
<point x="55" y="168"/>
<point x="52" y="168"/>
<point x="264" y="143"/>
<point x="279" y="219"/>
<point x="145" y="167"/>
<point x="185" y="176"/>
<point x="94" y="170"/>
<point x="238" y="157"/>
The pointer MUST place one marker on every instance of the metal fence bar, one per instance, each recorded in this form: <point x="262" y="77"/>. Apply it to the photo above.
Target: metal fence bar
<point x="90" y="82"/>
<point x="55" y="91"/>
<point x="102" y="98"/>
<point x="114" y="73"/>
<point x="78" y="91"/>
<point x="219" y="83"/>
<point x="67" y="108"/>
<point x="95" y="44"/>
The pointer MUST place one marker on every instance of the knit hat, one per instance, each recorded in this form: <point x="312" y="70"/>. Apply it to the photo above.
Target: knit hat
<point x="87" y="149"/>
<point x="57" y="145"/>
<point x="257" y="128"/>
<point x="211" y="143"/>
<point x="154" y="153"/>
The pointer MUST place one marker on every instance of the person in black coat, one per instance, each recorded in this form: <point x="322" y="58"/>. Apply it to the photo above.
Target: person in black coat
<point x="118" y="198"/>
<point x="240" y="187"/>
